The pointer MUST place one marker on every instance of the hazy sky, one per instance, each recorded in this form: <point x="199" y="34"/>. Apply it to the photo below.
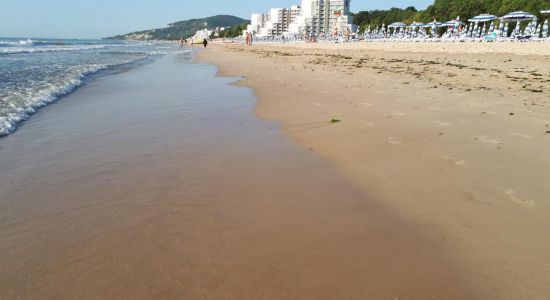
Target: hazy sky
<point x="101" y="18"/>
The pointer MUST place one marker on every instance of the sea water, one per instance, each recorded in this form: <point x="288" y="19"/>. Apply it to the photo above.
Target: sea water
<point x="36" y="72"/>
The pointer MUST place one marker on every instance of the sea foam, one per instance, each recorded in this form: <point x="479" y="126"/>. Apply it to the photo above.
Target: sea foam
<point x="37" y="72"/>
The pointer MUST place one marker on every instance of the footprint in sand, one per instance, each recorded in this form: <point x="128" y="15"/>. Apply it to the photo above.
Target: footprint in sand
<point x="487" y="139"/>
<point x="444" y="124"/>
<point x="367" y="123"/>
<point x="523" y="202"/>
<point x="456" y="161"/>
<point x="522" y="135"/>
<point x="394" y="141"/>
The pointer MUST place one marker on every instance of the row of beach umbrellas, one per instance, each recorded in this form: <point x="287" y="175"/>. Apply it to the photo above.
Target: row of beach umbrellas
<point x="400" y="29"/>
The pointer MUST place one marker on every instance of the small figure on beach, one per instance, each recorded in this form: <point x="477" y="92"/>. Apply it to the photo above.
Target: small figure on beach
<point x="249" y="39"/>
<point x="205" y="43"/>
<point x="181" y="42"/>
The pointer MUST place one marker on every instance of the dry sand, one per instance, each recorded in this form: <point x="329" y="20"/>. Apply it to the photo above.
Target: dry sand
<point x="452" y="136"/>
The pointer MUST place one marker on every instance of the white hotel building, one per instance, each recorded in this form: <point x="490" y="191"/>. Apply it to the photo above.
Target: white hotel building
<point x="313" y="17"/>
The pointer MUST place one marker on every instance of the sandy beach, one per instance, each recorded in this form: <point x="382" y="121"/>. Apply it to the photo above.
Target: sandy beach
<point x="452" y="137"/>
<point x="158" y="182"/>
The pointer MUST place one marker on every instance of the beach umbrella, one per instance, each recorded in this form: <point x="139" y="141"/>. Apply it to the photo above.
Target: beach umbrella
<point x="530" y="30"/>
<point x="416" y="24"/>
<point x="518" y="16"/>
<point x="534" y="26"/>
<point x="433" y="26"/>
<point x="505" y="29"/>
<point x="501" y="28"/>
<point x="397" y="25"/>
<point x="545" y="29"/>
<point x="433" y="23"/>
<point x="545" y="12"/>
<point x="476" y="25"/>
<point x="454" y="23"/>
<point x="516" y="30"/>
<point x="483" y="18"/>
<point x="448" y="24"/>
<point x="424" y="32"/>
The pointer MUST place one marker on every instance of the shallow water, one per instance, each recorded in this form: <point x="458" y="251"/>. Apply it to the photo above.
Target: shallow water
<point x="34" y="73"/>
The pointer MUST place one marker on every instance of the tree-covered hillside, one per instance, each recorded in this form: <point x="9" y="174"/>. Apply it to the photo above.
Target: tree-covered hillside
<point x="379" y="17"/>
<point x="182" y="29"/>
<point x="445" y="10"/>
<point x="234" y="31"/>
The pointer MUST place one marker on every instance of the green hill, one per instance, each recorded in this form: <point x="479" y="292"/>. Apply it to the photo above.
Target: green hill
<point x="182" y="29"/>
<point x="445" y="10"/>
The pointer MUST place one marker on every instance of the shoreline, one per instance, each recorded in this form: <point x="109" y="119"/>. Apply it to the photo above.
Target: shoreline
<point x="154" y="183"/>
<point x="445" y="156"/>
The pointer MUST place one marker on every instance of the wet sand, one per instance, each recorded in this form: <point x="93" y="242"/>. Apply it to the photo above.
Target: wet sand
<point x="160" y="183"/>
<point x="452" y="136"/>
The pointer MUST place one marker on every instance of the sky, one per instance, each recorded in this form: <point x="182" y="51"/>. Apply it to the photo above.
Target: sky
<point x="103" y="18"/>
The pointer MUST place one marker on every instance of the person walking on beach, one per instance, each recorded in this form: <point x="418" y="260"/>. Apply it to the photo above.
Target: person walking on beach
<point x="249" y="39"/>
<point x="205" y="43"/>
<point x="181" y="42"/>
